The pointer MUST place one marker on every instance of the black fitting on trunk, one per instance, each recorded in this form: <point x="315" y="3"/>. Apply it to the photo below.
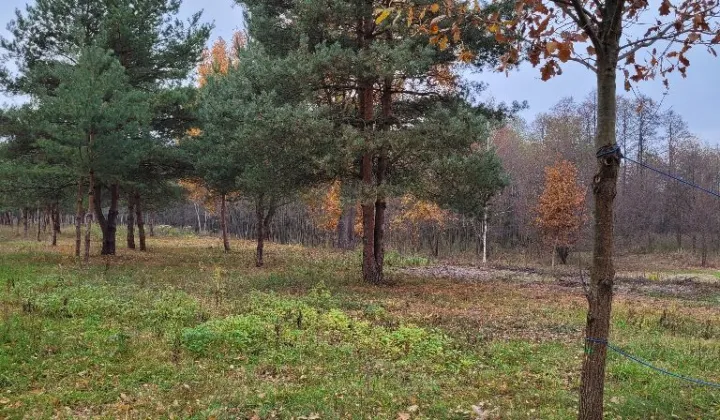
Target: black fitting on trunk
<point x="609" y="151"/>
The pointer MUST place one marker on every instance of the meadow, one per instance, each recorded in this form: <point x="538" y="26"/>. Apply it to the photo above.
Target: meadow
<point x="187" y="331"/>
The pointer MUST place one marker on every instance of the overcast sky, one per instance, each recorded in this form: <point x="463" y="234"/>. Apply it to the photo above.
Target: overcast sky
<point x="696" y="98"/>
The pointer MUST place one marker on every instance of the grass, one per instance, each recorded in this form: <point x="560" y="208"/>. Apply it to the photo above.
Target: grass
<point x="186" y="331"/>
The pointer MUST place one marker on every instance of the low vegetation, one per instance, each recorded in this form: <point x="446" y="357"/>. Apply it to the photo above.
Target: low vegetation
<point x="187" y="331"/>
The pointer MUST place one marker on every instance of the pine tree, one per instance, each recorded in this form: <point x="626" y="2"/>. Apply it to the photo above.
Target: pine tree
<point x="156" y="50"/>
<point x="385" y="70"/>
<point x="261" y="137"/>
<point x="95" y="119"/>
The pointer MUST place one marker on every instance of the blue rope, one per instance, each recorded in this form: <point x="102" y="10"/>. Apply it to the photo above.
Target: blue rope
<point x="678" y="179"/>
<point x="647" y="364"/>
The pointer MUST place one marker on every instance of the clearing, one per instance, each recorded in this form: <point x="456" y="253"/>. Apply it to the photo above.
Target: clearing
<point x="186" y="331"/>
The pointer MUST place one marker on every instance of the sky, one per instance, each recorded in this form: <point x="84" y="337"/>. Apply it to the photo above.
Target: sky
<point x="696" y="98"/>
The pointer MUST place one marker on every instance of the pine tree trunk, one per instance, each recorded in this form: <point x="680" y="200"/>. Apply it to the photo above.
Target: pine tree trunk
<point x="602" y="274"/>
<point x="40" y="220"/>
<point x="152" y="225"/>
<point x="131" y="221"/>
<point x="57" y="219"/>
<point x="704" y="249"/>
<point x="79" y="218"/>
<point x="260" y="227"/>
<point x="381" y="172"/>
<point x="370" y="269"/>
<point x="55" y="215"/>
<point x="140" y="222"/>
<point x="223" y="223"/>
<point x="89" y="215"/>
<point x="26" y="227"/>
<point x="110" y="239"/>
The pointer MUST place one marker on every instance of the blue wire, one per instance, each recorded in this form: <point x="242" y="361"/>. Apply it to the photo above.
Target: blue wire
<point x="647" y="364"/>
<point x="678" y="179"/>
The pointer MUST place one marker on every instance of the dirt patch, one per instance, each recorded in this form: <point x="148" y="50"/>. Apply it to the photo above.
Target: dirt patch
<point x="675" y="286"/>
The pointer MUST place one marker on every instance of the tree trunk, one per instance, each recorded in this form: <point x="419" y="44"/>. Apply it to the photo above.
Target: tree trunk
<point x="79" y="218"/>
<point x="223" y="223"/>
<point x="259" y="220"/>
<point x="563" y="251"/>
<point x="55" y="216"/>
<point x="704" y="250"/>
<point x="381" y="172"/>
<point x="40" y="220"/>
<point x="370" y="269"/>
<point x="26" y="228"/>
<point x="113" y="213"/>
<point x="140" y="222"/>
<point x="89" y="215"/>
<point x="131" y="221"/>
<point x="198" y="227"/>
<point x="152" y="225"/>
<point x="57" y="219"/>
<point x="602" y="274"/>
<point x="108" y="225"/>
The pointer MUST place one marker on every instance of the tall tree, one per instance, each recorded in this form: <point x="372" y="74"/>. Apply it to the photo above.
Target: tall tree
<point x="93" y="117"/>
<point x="607" y="36"/>
<point x="381" y="66"/>
<point x="157" y="51"/>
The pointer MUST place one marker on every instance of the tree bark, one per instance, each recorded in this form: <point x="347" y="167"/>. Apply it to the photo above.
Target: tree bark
<point x="223" y="223"/>
<point x="55" y="216"/>
<point x="26" y="228"/>
<point x="79" y="218"/>
<point x="57" y="219"/>
<point x="110" y="242"/>
<point x="381" y="171"/>
<point x="370" y="269"/>
<point x="131" y="221"/>
<point x="602" y="274"/>
<point x="89" y="215"/>
<point x="40" y="220"/>
<point x="260" y="228"/>
<point x="140" y="222"/>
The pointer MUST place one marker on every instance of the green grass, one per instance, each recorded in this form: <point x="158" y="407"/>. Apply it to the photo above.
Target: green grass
<point x="187" y="331"/>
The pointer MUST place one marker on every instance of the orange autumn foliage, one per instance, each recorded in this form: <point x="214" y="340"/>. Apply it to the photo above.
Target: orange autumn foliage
<point x="219" y="58"/>
<point x="560" y="207"/>
<point x="414" y="212"/>
<point x="199" y="194"/>
<point x="325" y="206"/>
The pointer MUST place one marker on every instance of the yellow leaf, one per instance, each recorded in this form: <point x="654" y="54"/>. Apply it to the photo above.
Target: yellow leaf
<point x="443" y="43"/>
<point x="493" y="28"/>
<point x="434" y="7"/>
<point x="382" y="16"/>
<point x="551" y="47"/>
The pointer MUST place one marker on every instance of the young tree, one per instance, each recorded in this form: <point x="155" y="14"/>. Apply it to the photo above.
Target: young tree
<point x="560" y="208"/>
<point x="260" y="135"/>
<point x="466" y="184"/>
<point x="216" y="63"/>
<point x="607" y="36"/>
